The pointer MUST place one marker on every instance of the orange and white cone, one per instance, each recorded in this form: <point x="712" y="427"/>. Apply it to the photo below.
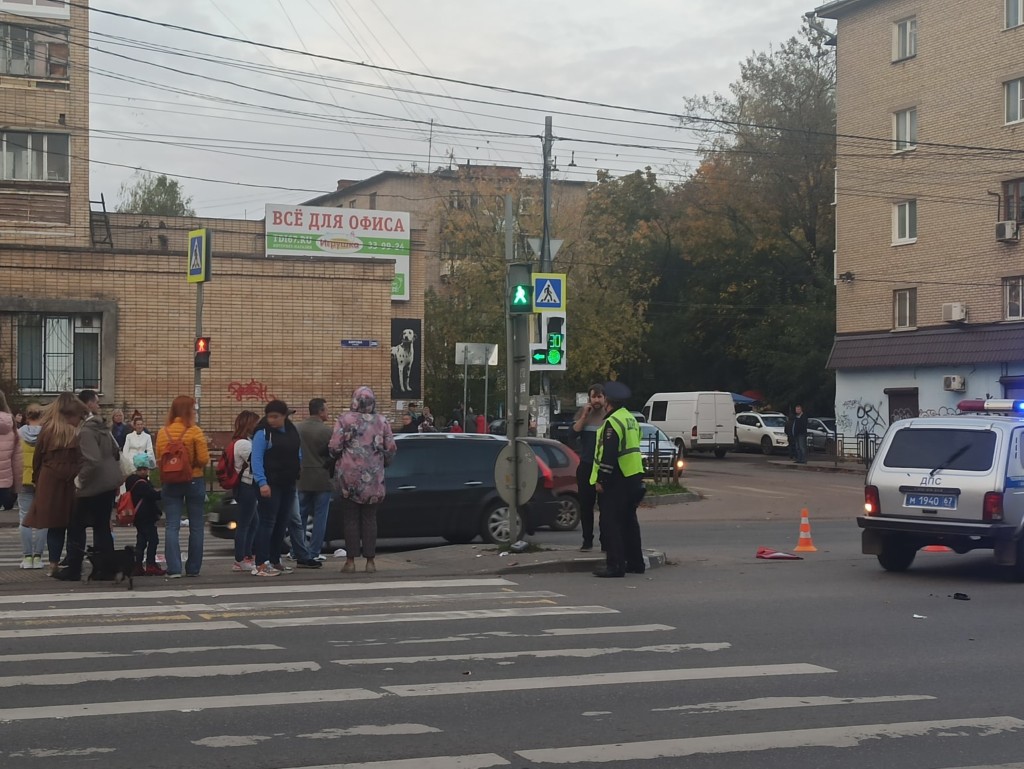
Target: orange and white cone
<point x="805" y="544"/>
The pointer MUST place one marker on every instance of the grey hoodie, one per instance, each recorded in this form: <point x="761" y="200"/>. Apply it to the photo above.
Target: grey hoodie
<point x="30" y="433"/>
<point x="101" y="468"/>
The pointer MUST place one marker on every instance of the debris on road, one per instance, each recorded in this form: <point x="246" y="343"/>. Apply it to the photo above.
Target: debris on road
<point x="767" y="554"/>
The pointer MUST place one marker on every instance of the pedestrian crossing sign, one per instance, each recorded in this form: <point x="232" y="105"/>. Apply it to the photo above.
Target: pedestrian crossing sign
<point x="198" y="256"/>
<point x="548" y="292"/>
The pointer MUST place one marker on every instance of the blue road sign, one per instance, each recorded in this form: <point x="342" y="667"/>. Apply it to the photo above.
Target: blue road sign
<point x="365" y="343"/>
<point x="548" y="292"/>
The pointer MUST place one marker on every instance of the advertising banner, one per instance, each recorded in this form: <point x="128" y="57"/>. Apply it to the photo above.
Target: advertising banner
<point x="405" y="358"/>
<point x="342" y="233"/>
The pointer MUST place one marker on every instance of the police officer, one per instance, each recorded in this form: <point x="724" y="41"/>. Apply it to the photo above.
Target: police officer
<point x="618" y="477"/>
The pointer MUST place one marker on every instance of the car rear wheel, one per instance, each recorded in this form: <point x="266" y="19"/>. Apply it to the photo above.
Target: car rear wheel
<point x="766" y="445"/>
<point x="719" y="453"/>
<point x="896" y="555"/>
<point x="495" y="526"/>
<point x="568" y="516"/>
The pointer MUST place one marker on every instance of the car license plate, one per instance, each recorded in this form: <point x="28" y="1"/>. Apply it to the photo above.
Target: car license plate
<point x="938" y="501"/>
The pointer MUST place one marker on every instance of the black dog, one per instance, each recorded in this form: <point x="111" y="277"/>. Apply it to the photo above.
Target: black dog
<point x="117" y="565"/>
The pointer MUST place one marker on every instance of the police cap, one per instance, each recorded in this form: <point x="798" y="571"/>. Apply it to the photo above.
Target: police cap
<point x="617" y="392"/>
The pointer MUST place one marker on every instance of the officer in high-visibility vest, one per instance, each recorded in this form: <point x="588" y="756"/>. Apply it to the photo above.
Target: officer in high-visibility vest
<point x="618" y="477"/>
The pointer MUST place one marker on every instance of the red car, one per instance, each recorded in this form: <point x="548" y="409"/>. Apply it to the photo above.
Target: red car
<point x="558" y="472"/>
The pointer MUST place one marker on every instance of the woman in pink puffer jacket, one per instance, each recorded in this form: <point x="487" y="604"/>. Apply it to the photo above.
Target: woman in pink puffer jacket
<point x="10" y="456"/>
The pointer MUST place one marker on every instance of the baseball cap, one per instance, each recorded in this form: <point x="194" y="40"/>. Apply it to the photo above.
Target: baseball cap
<point x="278" y="406"/>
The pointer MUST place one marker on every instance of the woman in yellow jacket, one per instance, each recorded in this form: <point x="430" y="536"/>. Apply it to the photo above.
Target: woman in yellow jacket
<point x="183" y="498"/>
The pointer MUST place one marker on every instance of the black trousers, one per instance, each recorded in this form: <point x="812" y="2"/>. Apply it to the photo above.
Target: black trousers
<point x="146" y="541"/>
<point x="94" y="513"/>
<point x="588" y="498"/>
<point x="620" y="529"/>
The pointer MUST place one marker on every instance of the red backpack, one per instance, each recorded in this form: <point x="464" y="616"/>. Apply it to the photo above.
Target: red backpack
<point x="227" y="476"/>
<point x="175" y="463"/>
<point x="126" y="509"/>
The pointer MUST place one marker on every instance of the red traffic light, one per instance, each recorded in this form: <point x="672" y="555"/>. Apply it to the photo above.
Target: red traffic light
<point x="202" y="352"/>
<point x="202" y="344"/>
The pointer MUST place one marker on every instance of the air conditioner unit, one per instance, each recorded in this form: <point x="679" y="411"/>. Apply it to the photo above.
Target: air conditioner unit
<point x="954" y="312"/>
<point x="1007" y="232"/>
<point x="954" y="383"/>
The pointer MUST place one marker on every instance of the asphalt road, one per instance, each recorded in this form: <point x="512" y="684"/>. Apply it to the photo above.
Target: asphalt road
<point x="718" y="660"/>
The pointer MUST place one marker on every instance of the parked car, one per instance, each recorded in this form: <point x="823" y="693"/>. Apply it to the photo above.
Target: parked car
<point x="657" y="449"/>
<point x="766" y="432"/>
<point x="562" y="462"/>
<point x="441" y="485"/>
<point x="821" y="431"/>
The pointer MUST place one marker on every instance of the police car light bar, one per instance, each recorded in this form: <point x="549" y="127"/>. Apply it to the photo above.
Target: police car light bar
<point x="998" y="404"/>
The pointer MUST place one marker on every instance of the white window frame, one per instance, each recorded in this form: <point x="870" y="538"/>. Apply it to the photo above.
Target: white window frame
<point x="904" y="222"/>
<point x="1014" y="284"/>
<point x="37" y="51"/>
<point x="1013" y="98"/>
<point x="904" y="39"/>
<point x="904" y="130"/>
<point x="1014" y="8"/>
<point x="904" y="301"/>
<point x="39" y="158"/>
<point x="47" y="9"/>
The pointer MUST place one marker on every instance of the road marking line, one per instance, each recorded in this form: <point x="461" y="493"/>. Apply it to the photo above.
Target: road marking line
<point x="57" y="656"/>
<point x="774" y="703"/>
<point x="603" y="679"/>
<point x="187" y="704"/>
<point x="539" y="654"/>
<point x="255" y="606"/>
<point x="253" y="589"/>
<point x="568" y="631"/>
<point x="184" y="627"/>
<point x="608" y="629"/>
<point x="432" y="616"/>
<point x="371" y="730"/>
<point x="828" y="737"/>
<point x="192" y="671"/>
<point x="476" y="761"/>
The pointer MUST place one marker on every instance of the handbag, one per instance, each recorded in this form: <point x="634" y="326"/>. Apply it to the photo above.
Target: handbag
<point x="127" y="463"/>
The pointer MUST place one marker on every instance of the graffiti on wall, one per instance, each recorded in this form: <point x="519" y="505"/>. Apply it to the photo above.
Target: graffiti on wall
<point x="253" y="391"/>
<point x="858" y="418"/>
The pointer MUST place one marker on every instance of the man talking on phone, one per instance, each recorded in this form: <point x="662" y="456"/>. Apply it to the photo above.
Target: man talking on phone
<point x="585" y="430"/>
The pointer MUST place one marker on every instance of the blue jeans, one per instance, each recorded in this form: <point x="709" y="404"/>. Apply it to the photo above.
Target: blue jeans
<point x="32" y="540"/>
<point x="297" y="532"/>
<point x="245" y="518"/>
<point x="274" y="513"/>
<point x="801" y="449"/>
<point x="315" y="505"/>
<point x="179" y="499"/>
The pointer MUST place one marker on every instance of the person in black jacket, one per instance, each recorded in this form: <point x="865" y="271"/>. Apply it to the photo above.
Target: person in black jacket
<point x="147" y="513"/>
<point x="800" y="434"/>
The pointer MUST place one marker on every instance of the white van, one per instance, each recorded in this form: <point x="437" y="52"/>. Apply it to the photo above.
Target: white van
<point x="697" y="421"/>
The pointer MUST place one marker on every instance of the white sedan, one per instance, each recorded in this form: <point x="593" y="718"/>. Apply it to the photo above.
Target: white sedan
<point x="766" y="432"/>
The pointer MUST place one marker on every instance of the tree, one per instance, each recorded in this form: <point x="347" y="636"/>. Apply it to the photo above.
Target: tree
<point x="147" y="193"/>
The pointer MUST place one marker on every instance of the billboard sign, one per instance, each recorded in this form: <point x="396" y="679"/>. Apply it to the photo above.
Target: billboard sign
<point x="342" y="233"/>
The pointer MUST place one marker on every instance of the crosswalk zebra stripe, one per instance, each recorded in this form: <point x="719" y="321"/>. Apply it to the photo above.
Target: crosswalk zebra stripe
<point x="826" y="737"/>
<point x="476" y="761"/>
<point x="170" y="627"/>
<point x="779" y="703"/>
<point x="604" y="679"/>
<point x="192" y="671"/>
<point x="59" y="656"/>
<point x="537" y="654"/>
<point x="433" y="616"/>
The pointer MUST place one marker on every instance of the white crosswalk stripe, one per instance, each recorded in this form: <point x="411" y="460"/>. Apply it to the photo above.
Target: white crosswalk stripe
<point x="363" y="675"/>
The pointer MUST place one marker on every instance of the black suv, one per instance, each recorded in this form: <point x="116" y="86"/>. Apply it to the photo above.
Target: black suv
<point x="438" y="485"/>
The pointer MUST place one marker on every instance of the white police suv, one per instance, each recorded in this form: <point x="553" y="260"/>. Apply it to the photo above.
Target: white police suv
<point x="956" y="481"/>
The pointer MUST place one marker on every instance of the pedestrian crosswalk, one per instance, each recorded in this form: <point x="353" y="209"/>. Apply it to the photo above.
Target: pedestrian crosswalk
<point x="436" y="674"/>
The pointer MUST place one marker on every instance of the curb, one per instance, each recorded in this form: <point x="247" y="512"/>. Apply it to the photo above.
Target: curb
<point x="858" y="470"/>
<point x="652" y="558"/>
<point x="671" y="499"/>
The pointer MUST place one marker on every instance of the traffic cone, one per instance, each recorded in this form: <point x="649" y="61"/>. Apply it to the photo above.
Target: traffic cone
<point x="937" y="549"/>
<point x="805" y="544"/>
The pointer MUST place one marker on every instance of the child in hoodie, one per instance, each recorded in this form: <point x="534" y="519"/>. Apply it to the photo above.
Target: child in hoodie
<point x="10" y="457"/>
<point x="32" y="540"/>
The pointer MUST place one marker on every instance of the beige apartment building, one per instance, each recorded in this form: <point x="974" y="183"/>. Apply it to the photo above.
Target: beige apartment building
<point x="436" y="197"/>
<point x="929" y="177"/>
<point x="100" y="300"/>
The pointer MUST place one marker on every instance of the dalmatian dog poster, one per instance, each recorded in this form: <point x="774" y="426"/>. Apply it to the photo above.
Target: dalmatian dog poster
<point x="406" y="349"/>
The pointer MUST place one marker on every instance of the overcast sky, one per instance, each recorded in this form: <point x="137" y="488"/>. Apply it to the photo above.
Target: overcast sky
<point x="287" y="120"/>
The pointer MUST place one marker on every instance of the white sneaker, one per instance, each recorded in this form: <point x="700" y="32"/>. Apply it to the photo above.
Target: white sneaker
<point x="320" y="557"/>
<point x="37" y="562"/>
<point x="26" y="562"/>
<point x="265" y="570"/>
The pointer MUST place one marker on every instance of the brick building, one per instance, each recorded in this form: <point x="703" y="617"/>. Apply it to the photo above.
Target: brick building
<point x="91" y="299"/>
<point x="930" y="171"/>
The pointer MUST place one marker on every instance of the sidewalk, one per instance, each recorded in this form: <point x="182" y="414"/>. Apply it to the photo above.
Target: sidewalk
<point x="822" y="464"/>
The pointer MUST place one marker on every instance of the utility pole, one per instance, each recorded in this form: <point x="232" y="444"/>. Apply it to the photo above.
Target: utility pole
<point x="545" y="257"/>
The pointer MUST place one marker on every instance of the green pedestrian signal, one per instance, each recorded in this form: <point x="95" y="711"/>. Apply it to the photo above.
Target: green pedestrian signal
<point x="521" y="300"/>
<point x="550" y="354"/>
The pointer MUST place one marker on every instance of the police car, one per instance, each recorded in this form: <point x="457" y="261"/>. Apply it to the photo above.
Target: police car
<point x="956" y="481"/>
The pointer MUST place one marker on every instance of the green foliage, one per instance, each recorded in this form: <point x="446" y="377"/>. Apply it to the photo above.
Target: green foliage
<point x="147" y="193"/>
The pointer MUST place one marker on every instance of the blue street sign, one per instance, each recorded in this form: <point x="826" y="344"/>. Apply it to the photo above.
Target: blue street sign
<point x="548" y="292"/>
<point x="364" y="343"/>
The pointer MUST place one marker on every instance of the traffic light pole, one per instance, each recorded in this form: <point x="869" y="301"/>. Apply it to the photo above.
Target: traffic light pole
<point x="198" y="378"/>
<point x="545" y="254"/>
<point x="517" y="351"/>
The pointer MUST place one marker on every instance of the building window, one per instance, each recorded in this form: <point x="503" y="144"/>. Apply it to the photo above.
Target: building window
<point x="33" y="157"/>
<point x="1014" y="100"/>
<point x="905" y="39"/>
<point x="373" y="201"/>
<point x="58" y="353"/>
<point x="904" y="222"/>
<point x="1014" y="13"/>
<point x="1013" y="291"/>
<point x="26" y="52"/>
<point x="52" y="9"/>
<point x="906" y="129"/>
<point x="1013" y="200"/>
<point x="904" y="308"/>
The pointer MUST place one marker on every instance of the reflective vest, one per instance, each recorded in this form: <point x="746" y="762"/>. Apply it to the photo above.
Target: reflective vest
<point x="630" y="460"/>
